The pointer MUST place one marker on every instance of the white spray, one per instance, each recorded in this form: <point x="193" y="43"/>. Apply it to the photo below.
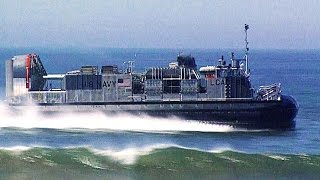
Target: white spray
<point x="32" y="118"/>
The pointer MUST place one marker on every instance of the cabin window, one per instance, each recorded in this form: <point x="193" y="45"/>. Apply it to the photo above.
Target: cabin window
<point x="120" y="80"/>
<point x="128" y="90"/>
<point x="171" y="86"/>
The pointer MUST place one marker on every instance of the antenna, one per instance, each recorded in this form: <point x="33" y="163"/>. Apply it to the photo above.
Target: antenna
<point x="246" y="27"/>
<point x="130" y="66"/>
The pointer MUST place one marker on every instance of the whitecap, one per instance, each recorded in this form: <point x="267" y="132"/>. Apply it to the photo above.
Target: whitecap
<point x="278" y="157"/>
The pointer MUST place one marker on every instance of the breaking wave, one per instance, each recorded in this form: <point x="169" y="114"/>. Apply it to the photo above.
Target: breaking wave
<point x="153" y="162"/>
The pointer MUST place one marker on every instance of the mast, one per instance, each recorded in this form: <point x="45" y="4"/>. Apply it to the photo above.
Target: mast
<point x="246" y="27"/>
<point x="130" y="67"/>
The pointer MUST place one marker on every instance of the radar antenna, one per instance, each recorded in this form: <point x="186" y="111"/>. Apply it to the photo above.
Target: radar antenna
<point x="128" y="66"/>
<point x="246" y="27"/>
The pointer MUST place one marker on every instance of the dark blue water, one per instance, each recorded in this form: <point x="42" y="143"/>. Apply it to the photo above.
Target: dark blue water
<point x="298" y="71"/>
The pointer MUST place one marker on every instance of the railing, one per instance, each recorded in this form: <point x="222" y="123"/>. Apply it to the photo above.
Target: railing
<point x="270" y="92"/>
<point x="47" y="96"/>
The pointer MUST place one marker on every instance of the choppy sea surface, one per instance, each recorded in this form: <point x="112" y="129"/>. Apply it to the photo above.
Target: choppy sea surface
<point x="98" y="146"/>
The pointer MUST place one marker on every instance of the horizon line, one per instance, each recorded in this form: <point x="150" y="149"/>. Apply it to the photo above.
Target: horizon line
<point x="153" y="48"/>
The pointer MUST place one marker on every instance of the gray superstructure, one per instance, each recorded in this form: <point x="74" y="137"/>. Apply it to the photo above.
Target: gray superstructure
<point x="91" y="84"/>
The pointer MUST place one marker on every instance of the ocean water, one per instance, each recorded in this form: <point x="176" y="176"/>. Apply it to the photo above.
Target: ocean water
<point x="98" y="146"/>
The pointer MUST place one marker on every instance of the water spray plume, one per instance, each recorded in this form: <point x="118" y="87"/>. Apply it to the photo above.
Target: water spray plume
<point x="32" y="118"/>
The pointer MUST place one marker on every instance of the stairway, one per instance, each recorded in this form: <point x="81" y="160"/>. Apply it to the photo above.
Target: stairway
<point x="37" y="73"/>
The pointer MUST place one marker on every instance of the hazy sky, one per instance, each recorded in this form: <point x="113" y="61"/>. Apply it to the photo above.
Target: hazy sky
<point x="285" y="24"/>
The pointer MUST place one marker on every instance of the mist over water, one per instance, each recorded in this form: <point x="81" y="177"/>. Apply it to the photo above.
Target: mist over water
<point x="31" y="117"/>
<point x="32" y="122"/>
